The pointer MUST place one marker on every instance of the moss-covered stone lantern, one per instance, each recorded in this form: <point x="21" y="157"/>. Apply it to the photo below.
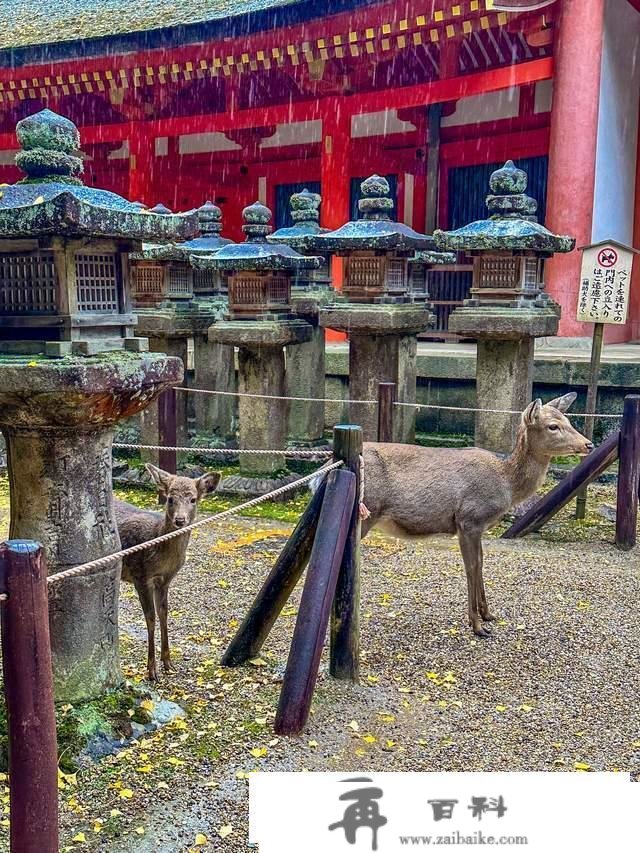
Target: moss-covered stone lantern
<point x="311" y="289"/>
<point x="508" y="308"/>
<point x="378" y="311"/>
<point x="176" y="304"/>
<point x="64" y="309"/>
<point x="260" y="323"/>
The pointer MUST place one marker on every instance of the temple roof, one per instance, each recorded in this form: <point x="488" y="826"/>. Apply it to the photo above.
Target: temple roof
<point x="41" y="22"/>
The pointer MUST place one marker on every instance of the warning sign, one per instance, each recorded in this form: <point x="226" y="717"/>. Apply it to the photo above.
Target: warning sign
<point x="604" y="283"/>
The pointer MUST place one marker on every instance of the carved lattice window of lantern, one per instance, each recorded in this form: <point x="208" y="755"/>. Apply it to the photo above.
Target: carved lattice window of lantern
<point x="28" y="283"/>
<point x="396" y="276"/>
<point x="532" y="274"/>
<point x="208" y="282"/>
<point x="97" y="282"/>
<point x="148" y="281"/>
<point x="179" y="281"/>
<point x="255" y="295"/>
<point x="418" y="279"/>
<point x="498" y="272"/>
<point x="365" y="276"/>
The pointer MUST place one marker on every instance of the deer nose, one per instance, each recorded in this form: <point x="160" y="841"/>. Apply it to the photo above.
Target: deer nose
<point x="179" y="521"/>
<point x="589" y="446"/>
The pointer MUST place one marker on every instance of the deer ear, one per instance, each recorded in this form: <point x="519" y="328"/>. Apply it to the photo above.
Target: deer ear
<point x="532" y="412"/>
<point x="207" y="483"/>
<point x="161" y="478"/>
<point x="563" y="403"/>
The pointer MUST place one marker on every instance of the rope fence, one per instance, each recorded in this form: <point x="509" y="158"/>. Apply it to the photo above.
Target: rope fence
<point x="86" y="568"/>
<point x="302" y="454"/>
<point x="337" y="400"/>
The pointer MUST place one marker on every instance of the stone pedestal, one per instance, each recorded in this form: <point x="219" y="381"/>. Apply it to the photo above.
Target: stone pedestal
<point x="215" y="370"/>
<point x="306" y="372"/>
<point x="504" y="365"/>
<point x="263" y="422"/>
<point x="57" y="417"/>
<point x="382" y="348"/>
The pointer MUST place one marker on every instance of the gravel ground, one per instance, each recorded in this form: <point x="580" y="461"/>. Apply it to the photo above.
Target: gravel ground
<point x="555" y="688"/>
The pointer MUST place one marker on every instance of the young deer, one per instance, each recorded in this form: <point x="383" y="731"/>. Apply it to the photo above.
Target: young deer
<point x="417" y="491"/>
<point x="152" y="570"/>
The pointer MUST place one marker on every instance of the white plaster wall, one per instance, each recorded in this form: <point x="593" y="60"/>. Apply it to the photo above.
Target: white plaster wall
<point x="200" y="143"/>
<point x="488" y="107"/>
<point x="617" y="144"/>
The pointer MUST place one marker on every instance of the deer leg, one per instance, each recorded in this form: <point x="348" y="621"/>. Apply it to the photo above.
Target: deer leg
<point x="482" y="595"/>
<point x="471" y="548"/>
<point x="161" y="596"/>
<point x="145" y="594"/>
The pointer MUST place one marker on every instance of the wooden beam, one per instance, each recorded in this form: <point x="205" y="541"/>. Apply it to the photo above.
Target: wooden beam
<point x="437" y="91"/>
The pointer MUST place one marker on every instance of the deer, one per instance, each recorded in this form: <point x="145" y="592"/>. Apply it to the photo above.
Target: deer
<point x="413" y="492"/>
<point x="152" y="570"/>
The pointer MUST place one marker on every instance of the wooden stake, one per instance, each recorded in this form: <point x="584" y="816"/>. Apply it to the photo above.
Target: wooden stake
<point x="592" y="399"/>
<point x="277" y="588"/>
<point x="167" y="430"/>
<point x="313" y="614"/>
<point x="387" y="394"/>
<point x="628" y="474"/>
<point x="28" y="689"/>
<point x="344" y="660"/>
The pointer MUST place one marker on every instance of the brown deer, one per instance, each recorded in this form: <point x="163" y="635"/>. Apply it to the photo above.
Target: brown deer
<point x="412" y="492"/>
<point x="152" y="570"/>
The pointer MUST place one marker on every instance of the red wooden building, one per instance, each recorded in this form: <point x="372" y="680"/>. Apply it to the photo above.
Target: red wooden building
<point x="235" y="101"/>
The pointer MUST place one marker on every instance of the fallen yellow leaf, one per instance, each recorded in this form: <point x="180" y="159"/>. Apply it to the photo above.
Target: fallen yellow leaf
<point x="225" y="830"/>
<point x="200" y="840"/>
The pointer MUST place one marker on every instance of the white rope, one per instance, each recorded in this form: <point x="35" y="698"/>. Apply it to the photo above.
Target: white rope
<point x="303" y="454"/>
<point x="496" y="411"/>
<point x="134" y="549"/>
<point x="275" y="397"/>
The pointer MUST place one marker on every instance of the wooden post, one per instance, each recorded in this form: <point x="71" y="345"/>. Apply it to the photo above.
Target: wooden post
<point x="344" y="660"/>
<point x="434" y="117"/>
<point x="28" y="689"/>
<point x="591" y="467"/>
<point x="315" y="606"/>
<point x="628" y="474"/>
<point x="592" y="398"/>
<point x="387" y="394"/>
<point x="278" y="586"/>
<point x="167" y="430"/>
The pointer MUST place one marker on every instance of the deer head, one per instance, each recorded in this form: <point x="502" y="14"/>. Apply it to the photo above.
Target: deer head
<point x="549" y="432"/>
<point x="182" y="494"/>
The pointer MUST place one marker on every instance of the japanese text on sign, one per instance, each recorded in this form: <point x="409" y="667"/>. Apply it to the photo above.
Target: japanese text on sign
<point x="604" y="284"/>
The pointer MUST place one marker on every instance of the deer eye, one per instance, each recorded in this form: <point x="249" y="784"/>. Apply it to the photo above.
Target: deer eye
<point x="170" y="501"/>
<point x="193" y="500"/>
<point x="554" y="427"/>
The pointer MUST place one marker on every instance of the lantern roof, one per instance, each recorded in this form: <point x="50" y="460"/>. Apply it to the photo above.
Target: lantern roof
<point x="255" y="253"/>
<point x="209" y="218"/>
<point x="305" y="212"/>
<point x="51" y="199"/>
<point x="375" y="230"/>
<point x="512" y="224"/>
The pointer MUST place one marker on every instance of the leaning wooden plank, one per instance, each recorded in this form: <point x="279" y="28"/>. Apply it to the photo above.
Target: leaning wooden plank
<point x="315" y="606"/>
<point x="583" y="474"/>
<point x="278" y="586"/>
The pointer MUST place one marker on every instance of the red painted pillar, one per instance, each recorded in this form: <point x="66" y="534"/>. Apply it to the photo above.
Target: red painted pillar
<point x="634" y="299"/>
<point x="572" y="148"/>
<point x="141" y="168"/>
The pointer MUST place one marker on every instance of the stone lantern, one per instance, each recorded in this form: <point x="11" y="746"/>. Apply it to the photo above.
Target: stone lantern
<point x="176" y="304"/>
<point x="261" y="325"/>
<point x="420" y="265"/>
<point x="70" y="369"/>
<point x="311" y="289"/>
<point x="508" y="308"/>
<point x="378" y="311"/>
